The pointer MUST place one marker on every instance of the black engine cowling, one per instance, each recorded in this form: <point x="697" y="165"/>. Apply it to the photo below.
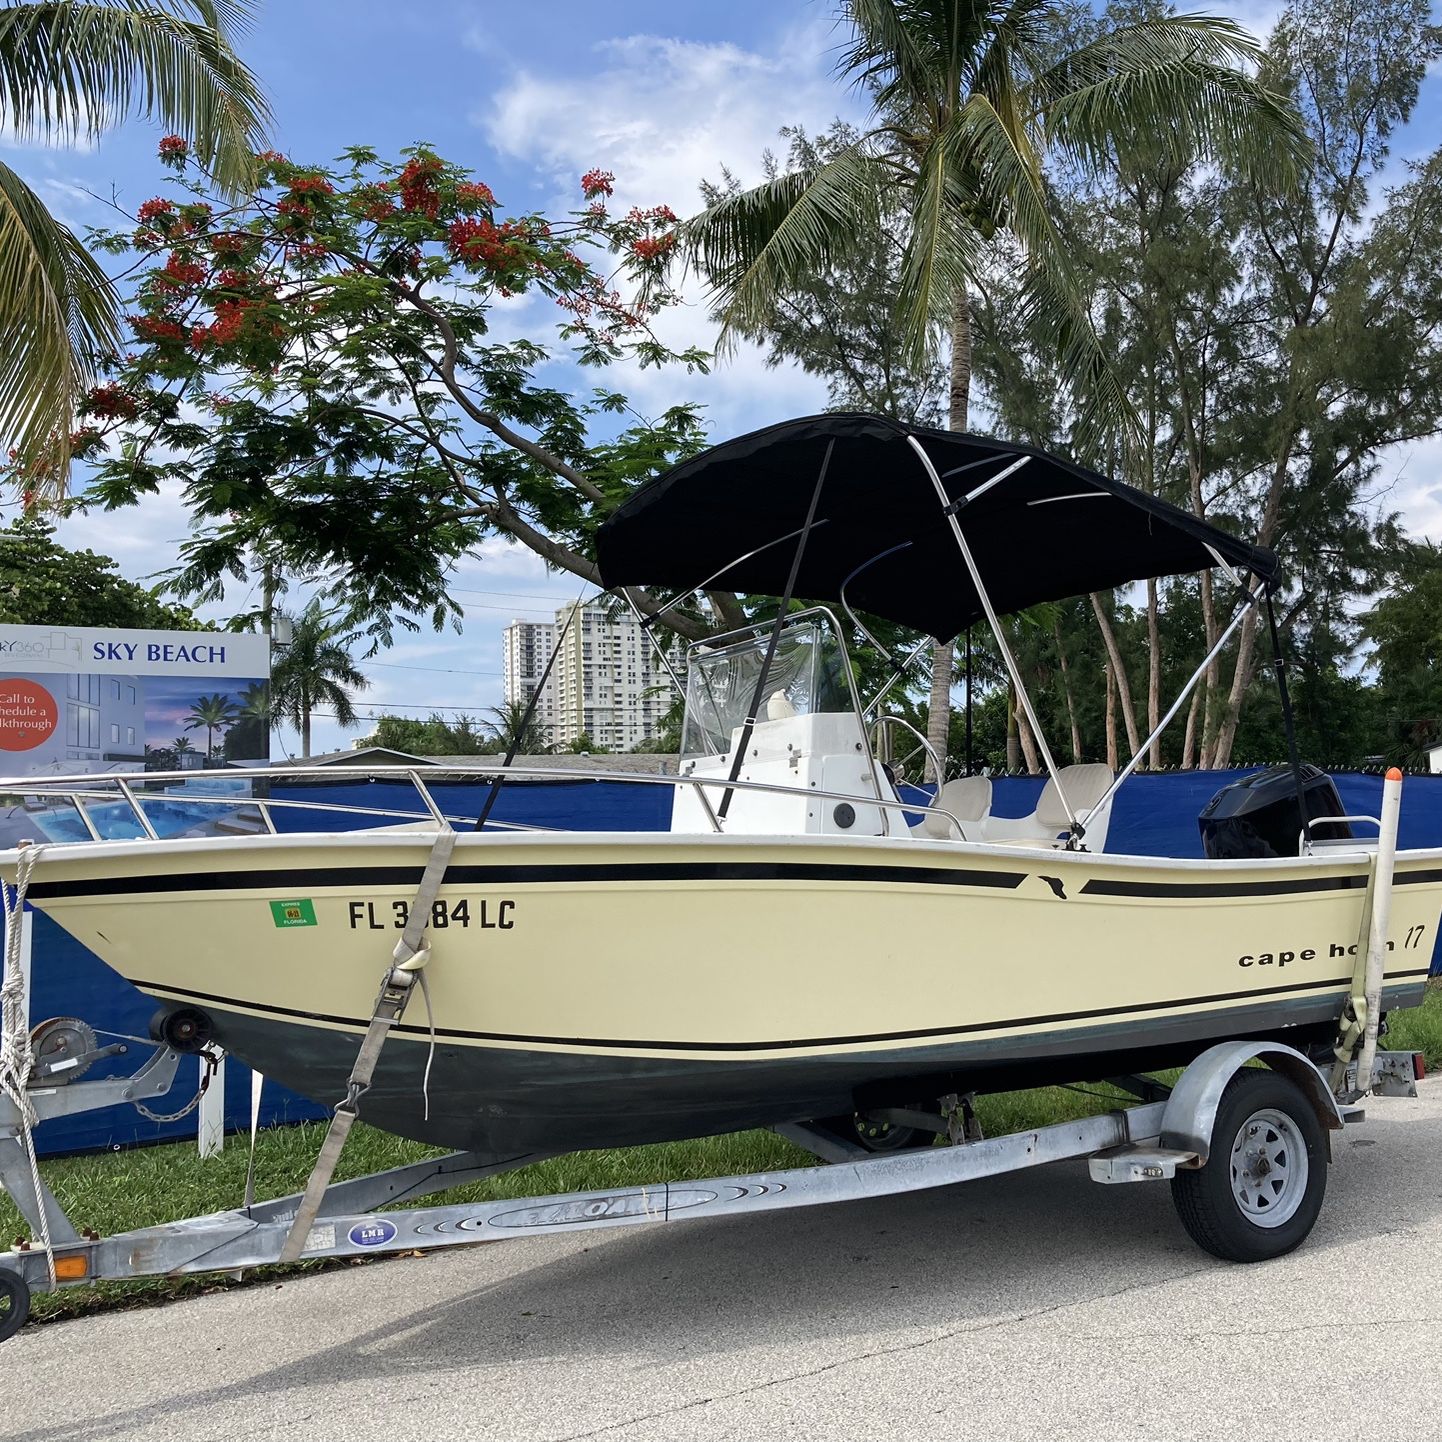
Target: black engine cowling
<point x="1259" y="815"/>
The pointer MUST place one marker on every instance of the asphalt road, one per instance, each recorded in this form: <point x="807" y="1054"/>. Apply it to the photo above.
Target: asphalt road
<point x="1032" y="1306"/>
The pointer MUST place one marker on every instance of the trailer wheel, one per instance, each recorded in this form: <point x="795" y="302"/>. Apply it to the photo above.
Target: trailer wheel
<point x="14" y="1302"/>
<point x="877" y="1135"/>
<point x="1259" y="1194"/>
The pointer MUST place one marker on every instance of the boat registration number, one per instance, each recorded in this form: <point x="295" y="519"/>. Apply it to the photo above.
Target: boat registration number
<point x="488" y="914"/>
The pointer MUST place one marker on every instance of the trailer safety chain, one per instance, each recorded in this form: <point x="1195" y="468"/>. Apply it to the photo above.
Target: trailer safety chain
<point x="16" y="1057"/>
<point x="408" y="961"/>
<point x="209" y="1062"/>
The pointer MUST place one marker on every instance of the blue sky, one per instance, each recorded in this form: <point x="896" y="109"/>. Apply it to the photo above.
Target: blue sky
<point x="530" y="96"/>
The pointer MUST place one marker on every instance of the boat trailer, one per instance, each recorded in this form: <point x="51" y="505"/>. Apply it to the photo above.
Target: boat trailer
<point x="1242" y="1135"/>
<point x="1169" y="1134"/>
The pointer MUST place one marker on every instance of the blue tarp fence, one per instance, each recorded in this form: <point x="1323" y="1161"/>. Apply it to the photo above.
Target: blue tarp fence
<point x="1154" y="815"/>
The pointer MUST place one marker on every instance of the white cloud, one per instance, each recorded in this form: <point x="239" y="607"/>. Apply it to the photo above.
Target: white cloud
<point x="1414" y="471"/>
<point x="664" y="113"/>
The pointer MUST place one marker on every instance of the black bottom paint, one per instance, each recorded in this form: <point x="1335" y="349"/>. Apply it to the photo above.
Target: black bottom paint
<point x="507" y="1099"/>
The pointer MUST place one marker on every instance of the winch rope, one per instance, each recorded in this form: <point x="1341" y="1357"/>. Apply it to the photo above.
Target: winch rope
<point x="16" y="1057"/>
<point x="411" y="954"/>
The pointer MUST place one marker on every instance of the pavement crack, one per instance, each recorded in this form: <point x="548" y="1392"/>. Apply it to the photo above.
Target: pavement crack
<point x="965" y="1330"/>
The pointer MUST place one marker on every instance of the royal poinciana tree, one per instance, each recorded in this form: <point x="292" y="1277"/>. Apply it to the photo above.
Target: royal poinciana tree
<point x="323" y="370"/>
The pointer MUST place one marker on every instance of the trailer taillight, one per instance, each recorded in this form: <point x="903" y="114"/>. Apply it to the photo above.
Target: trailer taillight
<point x="1419" y="1066"/>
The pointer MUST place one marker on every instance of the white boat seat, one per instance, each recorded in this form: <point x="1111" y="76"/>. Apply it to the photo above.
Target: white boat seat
<point x="969" y="800"/>
<point x="1084" y="785"/>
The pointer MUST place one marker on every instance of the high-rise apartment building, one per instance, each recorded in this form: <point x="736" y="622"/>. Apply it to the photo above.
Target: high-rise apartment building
<point x="608" y="682"/>
<point x="528" y="646"/>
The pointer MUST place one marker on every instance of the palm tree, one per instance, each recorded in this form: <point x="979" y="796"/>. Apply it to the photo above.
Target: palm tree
<point x="511" y="727"/>
<point x="71" y="69"/>
<point x="969" y="99"/>
<point x="212" y="712"/>
<point x="314" y="670"/>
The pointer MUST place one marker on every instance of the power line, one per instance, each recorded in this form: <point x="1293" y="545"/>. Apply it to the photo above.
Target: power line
<point x="405" y="706"/>
<point x="437" y="670"/>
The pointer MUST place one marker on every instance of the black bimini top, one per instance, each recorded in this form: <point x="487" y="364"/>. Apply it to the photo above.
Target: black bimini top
<point x="1048" y="531"/>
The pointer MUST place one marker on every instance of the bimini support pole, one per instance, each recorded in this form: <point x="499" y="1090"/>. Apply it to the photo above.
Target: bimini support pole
<point x="750" y="723"/>
<point x="1251" y="600"/>
<point x="1077" y="829"/>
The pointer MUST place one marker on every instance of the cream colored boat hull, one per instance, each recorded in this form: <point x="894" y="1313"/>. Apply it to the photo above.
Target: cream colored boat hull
<point x="596" y="989"/>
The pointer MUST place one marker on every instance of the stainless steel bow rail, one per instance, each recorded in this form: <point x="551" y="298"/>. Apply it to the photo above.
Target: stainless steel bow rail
<point x="1168" y="1135"/>
<point x="139" y="789"/>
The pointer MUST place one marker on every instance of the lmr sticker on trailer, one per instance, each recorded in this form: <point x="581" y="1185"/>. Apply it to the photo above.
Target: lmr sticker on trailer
<point x="293" y="913"/>
<point x="371" y="1234"/>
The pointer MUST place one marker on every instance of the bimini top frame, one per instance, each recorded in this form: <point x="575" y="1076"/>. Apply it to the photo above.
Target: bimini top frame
<point x="1042" y="530"/>
<point x="1036" y="528"/>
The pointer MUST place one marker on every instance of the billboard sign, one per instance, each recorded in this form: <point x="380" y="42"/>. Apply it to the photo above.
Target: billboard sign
<point x="98" y="699"/>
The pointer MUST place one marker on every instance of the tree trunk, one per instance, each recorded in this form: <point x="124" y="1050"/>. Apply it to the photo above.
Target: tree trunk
<point x="1013" y="742"/>
<point x="1154" y="676"/>
<point x="1076" y="746"/>
<point x="938" y="720"/>
<point x="1112" y="759"/>
<point x="1189" y="739"/>
<point x="305" y="733"/>
<point x="938" y="723"/>
<point x="1028" y="744"/>
<point x="1119" y="675"/>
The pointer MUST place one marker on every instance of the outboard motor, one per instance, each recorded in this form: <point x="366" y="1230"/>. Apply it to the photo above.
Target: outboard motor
<point x="1259" y="815"/>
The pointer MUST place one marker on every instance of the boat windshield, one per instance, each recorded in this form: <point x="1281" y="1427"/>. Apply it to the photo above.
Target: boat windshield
<point x="807" y="675"/>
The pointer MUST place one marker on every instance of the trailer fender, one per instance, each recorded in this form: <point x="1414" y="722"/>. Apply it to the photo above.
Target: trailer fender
<point x="1192" y="1107"/>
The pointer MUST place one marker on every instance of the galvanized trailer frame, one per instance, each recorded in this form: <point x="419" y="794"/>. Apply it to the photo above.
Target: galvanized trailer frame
<point x="1164" y="1132"/>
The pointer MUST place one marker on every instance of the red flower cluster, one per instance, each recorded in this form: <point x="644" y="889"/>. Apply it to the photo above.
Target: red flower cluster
<point x="483" y="242"/>
<point x="229" y="322"/>
<point x="179" y="273"/>
<point x="417" y="184"/>
<point x="154" y="210"/>
<point x="227" y="244"/>
<point x="381" y="208"/>
<point x="653" y="247"/>
<point x="473" y="194"/>
<point x="270" y="157"/>
<point x="662" y="213"/>
<point x="291" y="207"/>
<point x="597" y="182"/>
<point x="311" y="185"/>
<point x="233" y="279"/>
<point x="157" y="328"/>
<point x="174" y="147"/>
<point x="111" y="402"/>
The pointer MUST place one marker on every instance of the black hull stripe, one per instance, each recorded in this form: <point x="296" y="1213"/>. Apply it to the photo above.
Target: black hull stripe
<point x="611" y="1044"/>
<point x="281" y="882"/>
<point x="1099" y="887"/>
<point x="703" y="871"/>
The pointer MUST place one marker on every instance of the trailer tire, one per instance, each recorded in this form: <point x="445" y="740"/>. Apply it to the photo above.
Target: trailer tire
<point x="1259" y="1195"/>
<point x="877" y="1136"/>
<point x="14" y="1303"/>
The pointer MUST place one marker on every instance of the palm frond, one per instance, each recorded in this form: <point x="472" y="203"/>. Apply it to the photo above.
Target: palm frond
<point x="751" y="246"/>
<point x="939" y="259"/>
<point x="1056" y="315"/>
<point x="70" y="68"/>
<point x="57" y="316"/>
<point x="1180" y="84"/>
<point x="894" y="53"/>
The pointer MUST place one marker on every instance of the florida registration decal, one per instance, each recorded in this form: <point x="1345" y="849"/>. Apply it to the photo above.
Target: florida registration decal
<point x="299" y="912"/>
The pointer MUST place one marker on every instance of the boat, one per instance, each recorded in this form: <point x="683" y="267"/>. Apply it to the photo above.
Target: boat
<point x="808" y="942"/>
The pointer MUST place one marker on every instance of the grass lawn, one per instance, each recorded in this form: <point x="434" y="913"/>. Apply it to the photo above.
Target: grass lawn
<point x="116" y="1192"/>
